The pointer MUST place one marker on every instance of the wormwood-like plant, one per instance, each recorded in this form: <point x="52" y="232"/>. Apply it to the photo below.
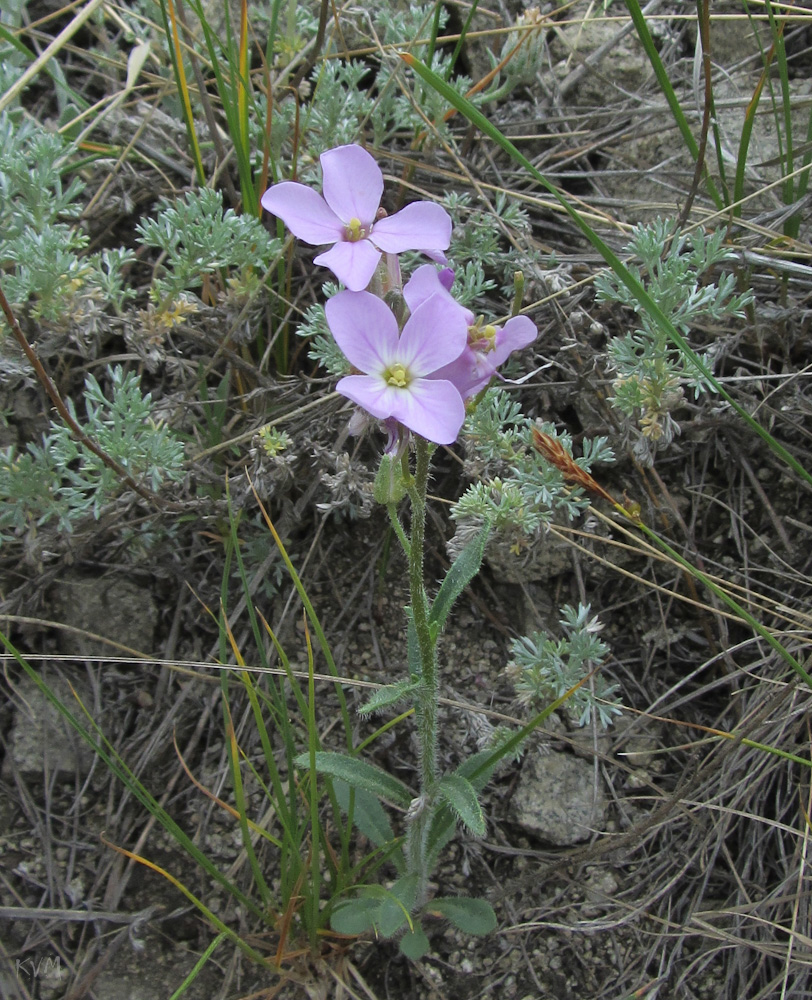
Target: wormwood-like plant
<point x="40" y="237"/>
<point x="544" y="668"/>
<point x="62" y="480"/>
<point x="200" y="237"/>
<point x="652" y="374"/>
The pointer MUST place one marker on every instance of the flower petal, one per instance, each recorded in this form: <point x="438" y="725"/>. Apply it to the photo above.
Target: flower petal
<point x="365" y="329"/>
<point x="434" y="335"/>
<point x="424" y="283"/>
<point x="419" y="226"/>
<point x="353" y="183"/>
<point x="427" y="281"/>
<point x="370" y="393"/>
<point x="352" y="263"/>
<point x="517" y="333"/>
<point x="431" y="408"/>
<point x="469" y="373"/>
<point x="306" y="214"/>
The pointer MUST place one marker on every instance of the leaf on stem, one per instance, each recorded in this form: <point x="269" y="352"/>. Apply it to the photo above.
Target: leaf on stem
<point x="464" y="568"/>
<point x="367" y="814"/>
<point x="388" y="695"/>
<point x="458" y="792"/>
<point x="471" y="916"/>
<point x="359" y="774"/>
<point x="414" y="944"/>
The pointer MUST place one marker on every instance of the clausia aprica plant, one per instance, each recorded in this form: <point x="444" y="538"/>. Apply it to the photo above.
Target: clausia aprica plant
<point x="419" y="364"/>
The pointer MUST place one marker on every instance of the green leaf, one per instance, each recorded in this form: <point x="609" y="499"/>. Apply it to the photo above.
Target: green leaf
<point x="474" y="762"/>
<point x="459" y="793"/>
<point x="395" y="909"/>
<point x="412" y="648"/>
<point x="414" y="944"/>
<point x="389" y="694"/>
<point x="367" y="815"/>
<point x="355" y="916"/>
<point x="471" y="916"/>
<point x="464" y="568"/>
<point x="359" y="774"/>
<point x="441" y="830"/>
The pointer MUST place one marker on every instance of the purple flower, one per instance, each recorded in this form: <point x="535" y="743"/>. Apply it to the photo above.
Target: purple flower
<point x="398" y="380"/>
<point x="347" y="217"/>
<point x="486" y="348"/>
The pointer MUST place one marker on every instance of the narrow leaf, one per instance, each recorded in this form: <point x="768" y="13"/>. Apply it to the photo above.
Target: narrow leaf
<point x="464" y="568"/>
<point x="459" y="793"/>
<point x="387" y="695"/>
<point x="368" y="814"/>
<point x="359" y="774"/>
<point x="471" y="916"/>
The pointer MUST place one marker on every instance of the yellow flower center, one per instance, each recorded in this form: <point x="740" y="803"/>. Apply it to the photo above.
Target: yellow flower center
<point x="397" y="375"/>
<point x="482" y="338"/>
<point x="354" y="231"/>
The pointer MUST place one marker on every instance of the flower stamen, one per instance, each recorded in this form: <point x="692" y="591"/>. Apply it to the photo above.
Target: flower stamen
<point x="354" y="231"/>
<point x="397" y="375"/>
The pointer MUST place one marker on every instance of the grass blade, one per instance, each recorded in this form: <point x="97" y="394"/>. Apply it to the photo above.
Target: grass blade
<point x="488" y="128"/>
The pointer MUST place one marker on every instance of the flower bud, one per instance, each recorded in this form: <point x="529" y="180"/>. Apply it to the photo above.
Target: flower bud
<point x="390" y="486"/>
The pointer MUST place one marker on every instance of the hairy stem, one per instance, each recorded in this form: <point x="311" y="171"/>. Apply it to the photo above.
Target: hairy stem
<point x="428" y="692"/>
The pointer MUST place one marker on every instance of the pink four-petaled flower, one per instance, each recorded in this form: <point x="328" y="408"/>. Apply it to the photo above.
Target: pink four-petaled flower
<point x="486" y="347"/>
<point x="399" y="380"/>
<point x="347" y="217"/>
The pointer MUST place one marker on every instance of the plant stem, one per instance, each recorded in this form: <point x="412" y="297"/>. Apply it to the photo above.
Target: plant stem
<point x="428" y="691"/>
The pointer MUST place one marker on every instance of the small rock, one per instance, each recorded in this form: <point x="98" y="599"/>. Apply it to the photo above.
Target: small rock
<point x="556" y="799"/>
<point x="42" y="737"/>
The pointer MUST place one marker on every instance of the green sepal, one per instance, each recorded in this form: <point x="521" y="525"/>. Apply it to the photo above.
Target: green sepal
<point x="390" y="486"/>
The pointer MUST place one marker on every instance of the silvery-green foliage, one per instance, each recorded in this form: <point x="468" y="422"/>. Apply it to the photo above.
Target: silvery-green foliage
<point x="484" y="247"/>
<point x="199" y="237"/>
<point x="544" y="669"/>
<point x="523" y="54"/>
<point x="340" y="103"/>
<point x="399" y="112"/>
<point x="33" y="193"/>
<point x="46" y="269"/>
<point x="323" y="348"/>
<point x="498" y="437"/>
<point x="12" y="60"/>
<point x="515" y="490"/>
<point x="652" y="374"/>
<point x="61" y="479"/>
<point x="40" y="248"/>
<point x="470" y="283"/>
